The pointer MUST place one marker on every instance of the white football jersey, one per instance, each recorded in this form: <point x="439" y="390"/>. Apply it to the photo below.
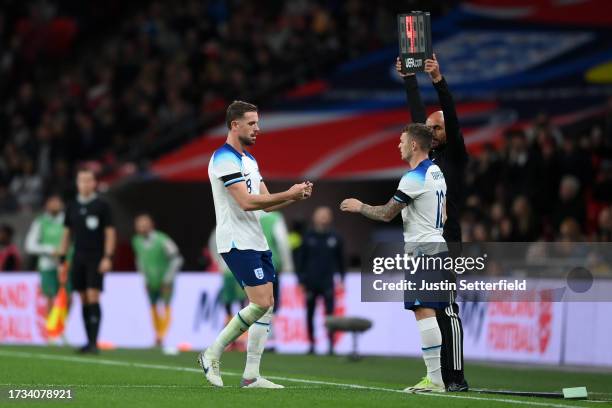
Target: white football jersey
<point x="423" y="189"/>
<point x="236" y="228"/>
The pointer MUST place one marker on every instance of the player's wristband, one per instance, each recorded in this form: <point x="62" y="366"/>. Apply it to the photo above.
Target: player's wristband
<point x="62" y="258"/>
<point x="110" y="257"/>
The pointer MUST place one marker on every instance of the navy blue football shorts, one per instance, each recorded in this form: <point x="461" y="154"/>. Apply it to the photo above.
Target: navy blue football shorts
<point x="250" y="267"/>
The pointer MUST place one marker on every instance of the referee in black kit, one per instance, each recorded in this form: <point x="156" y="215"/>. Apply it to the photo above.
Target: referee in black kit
<point x="449" y="153"/>
<point x="88" y="224"/>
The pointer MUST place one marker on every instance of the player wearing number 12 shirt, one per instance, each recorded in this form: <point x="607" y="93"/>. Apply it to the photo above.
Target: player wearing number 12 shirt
<point x="449" y="153"/>
<point x="420" y="197"/>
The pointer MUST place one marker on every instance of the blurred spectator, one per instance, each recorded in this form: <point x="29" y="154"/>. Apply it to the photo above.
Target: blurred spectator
<point x="543" y="128"/>
<point x="602" y="189"/>
<point x="61" y="180"/>
<point x="481" y="233"/>
<point x="575" y="161"/>
<point x="10" y="260"/>
<point x="547" y="170"/>
<point x="569" y="204"/>
<point x="525" y="225"/>
<point x="569" y="231"/>
<point x="497" y="215"/>
<point x="517" y="165"/>
<point x="569" y="235"/>
<point x="604" y="225"/>
<point x="506" y="230"/>
<point x="27" y="187"/>
<point x="7" y="201"/>
<point x="483" y="173"/>
<point x="322" y="256"/>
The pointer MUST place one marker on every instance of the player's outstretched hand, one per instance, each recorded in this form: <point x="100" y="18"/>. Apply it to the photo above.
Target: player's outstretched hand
<point x="433" y="69"/>
<point x="398" y="68"/>
<point x="299" y="191"/>
<point x="351" y="205"/>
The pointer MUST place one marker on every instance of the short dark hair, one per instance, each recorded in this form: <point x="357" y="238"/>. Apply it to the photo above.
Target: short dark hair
<point x="236" y="110"/>
<point x="86" y="170"/>
<point x="54" y="194"/>
<point x="143" y="214"/>
<point x="421" y="134"/>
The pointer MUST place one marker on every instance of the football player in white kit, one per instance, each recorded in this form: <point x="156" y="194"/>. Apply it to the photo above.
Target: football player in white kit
<point x="420" y="198"/>
<point x="239" y="193"/>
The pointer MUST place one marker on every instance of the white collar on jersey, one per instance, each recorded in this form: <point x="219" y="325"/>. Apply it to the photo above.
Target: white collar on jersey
<point x="86" y="200"/>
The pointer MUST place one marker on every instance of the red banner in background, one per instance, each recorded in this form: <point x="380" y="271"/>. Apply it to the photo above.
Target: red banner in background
<point x="496" y="331"/>
<point x="22" y="311"/>
<point x="520" y="327"/>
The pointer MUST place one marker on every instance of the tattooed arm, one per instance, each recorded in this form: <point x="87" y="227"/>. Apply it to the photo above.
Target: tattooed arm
<point x="378" y="213"/>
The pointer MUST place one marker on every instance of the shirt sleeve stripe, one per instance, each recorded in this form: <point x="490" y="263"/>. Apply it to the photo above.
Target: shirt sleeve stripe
<point x="229" y="177"/>
<point x="402" y="197"/>
<point x="230" y="182"/>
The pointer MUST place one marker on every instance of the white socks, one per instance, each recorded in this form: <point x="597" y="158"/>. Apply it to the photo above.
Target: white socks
<point x="238" y="325"/>
<point x="431" y="342"/>
<point x="257" y="320"/>
<point x="258" y="334"/>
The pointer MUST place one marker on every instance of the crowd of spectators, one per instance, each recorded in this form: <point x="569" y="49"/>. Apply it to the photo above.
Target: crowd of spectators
<point x="542" y="184"/>
<point x="159" y="75"/>
<point x="167" y="68"/>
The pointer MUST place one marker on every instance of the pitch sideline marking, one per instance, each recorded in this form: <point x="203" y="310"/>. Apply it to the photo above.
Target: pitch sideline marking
<point x="23" y="354"/>
<point x="177" y="386"/>
<point x="29" y="385"/>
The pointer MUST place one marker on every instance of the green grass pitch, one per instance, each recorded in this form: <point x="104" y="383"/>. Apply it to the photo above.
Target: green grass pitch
<point x="146" y="378"/>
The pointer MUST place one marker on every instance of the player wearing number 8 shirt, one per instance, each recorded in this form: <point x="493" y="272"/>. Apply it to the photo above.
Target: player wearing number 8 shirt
<point x="420" y="197"/>
<point x="239" y="195"/>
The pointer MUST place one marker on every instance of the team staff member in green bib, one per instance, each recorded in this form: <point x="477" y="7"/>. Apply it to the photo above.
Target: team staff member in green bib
<point x="158" y="259"/>
<point x="231" y="292"/>
<point x="277" y="236"/>
<point x="43" y="240"/>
